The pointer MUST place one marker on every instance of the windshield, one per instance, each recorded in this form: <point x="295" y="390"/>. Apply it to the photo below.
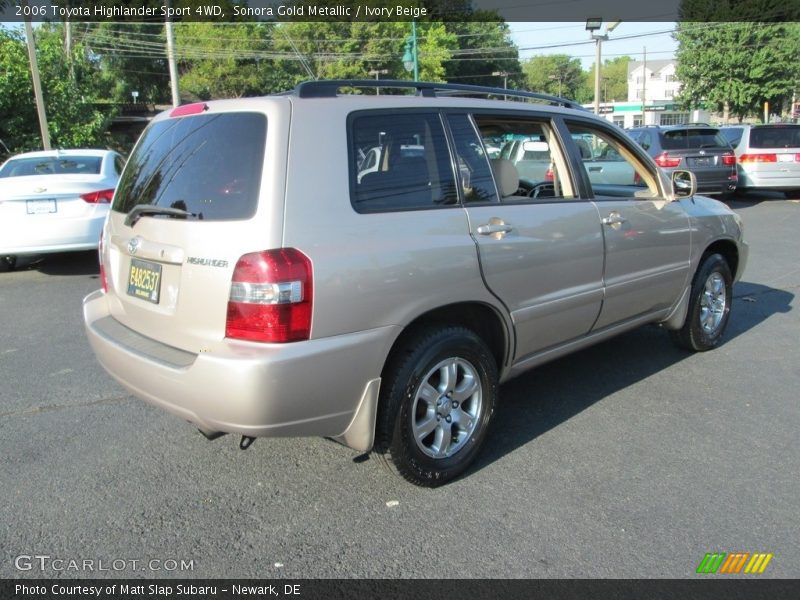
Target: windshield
<point x="208" y="165"/>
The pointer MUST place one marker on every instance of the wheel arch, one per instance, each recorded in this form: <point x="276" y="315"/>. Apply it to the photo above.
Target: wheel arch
<point x="483" y="319"/>
<point x="728" y="250"/>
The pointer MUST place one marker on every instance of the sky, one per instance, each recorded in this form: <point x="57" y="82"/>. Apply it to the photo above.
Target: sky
<point x="627" y="39"/>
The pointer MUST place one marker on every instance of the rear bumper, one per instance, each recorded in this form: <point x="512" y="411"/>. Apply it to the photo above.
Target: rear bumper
<point x="312" y="388"/>
<point x="767" y="181"/>
<point x="40" y="235"/>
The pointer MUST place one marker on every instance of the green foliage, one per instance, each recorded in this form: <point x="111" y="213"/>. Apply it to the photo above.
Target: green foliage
<point x="69" y="92"/>
<point x="219" y="61"/>
<point x="613" y="84"/>
<point x="738" y="66"/>
<point x="556" y="74"/>
<point x="483" y="48"/>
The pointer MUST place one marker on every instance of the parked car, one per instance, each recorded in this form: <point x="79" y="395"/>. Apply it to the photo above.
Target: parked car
<point x="385" y="312"/>
<point x="768" y="156"/>
<point x="700" y="149"/>
<point x="55" y="201"/>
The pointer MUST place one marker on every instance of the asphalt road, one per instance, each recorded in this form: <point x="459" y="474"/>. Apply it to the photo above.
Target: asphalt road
<point x="630" y="459"/>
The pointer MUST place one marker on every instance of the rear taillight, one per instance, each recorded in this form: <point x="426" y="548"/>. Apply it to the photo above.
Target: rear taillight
<point x="758" y="158"/>
<point x="101" y="258"/>
<point x="665" y="160"/>
<point x="729" y="160"/>
<point x="271" y="295"/>
<point x="98" y="197"/>
<point x="549" y="175"/>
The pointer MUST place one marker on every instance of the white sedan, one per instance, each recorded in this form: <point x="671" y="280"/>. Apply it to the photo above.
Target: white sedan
<point x="55" y="201"/>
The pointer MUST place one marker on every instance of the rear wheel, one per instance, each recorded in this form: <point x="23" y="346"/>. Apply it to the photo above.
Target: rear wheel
<point x="437" y="399"/>
<point x="709" y="306"/>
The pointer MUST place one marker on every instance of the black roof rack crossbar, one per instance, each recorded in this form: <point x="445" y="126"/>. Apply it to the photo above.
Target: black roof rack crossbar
<point x="329" y="88"/>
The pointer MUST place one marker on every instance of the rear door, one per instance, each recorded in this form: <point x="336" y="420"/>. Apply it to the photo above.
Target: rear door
<point x="541" y="253"/>
<point x="211" y="192"/>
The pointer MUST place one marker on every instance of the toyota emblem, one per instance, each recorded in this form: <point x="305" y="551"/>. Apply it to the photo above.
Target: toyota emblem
<point x="133" y="245"/>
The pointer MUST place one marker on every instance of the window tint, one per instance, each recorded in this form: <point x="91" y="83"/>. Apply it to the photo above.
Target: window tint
<point x="209" y="165"/>
<point x="119" y="164"/>
<point x="473" y="165"/>
<point x="413" y="169"/>
<point x="52" y="165"/>
<point x="682" y="139"/>
<point x="779" y="136"/>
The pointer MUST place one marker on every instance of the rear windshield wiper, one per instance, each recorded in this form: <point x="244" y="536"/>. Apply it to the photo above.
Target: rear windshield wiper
<point x="140" y="210"/>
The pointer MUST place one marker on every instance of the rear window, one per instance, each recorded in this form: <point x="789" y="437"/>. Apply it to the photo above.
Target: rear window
<point x="689" y="139"/>
<point x="778" y="136"/>
<point x="52" y="165"/>
<point x="209" y="165"/>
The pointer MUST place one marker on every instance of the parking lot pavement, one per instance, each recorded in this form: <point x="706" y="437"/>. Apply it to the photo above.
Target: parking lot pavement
<point x="629" y="459"/>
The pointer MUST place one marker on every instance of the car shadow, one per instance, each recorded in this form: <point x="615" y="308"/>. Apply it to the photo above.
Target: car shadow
<point x="553" y="393"/>
<point x="65" y="264"/>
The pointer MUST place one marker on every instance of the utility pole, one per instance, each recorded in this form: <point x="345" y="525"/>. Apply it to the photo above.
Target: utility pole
<point x="173" y="67"/>
<point x="37" y="84"/>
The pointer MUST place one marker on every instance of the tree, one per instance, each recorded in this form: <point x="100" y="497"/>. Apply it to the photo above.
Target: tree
<point x="614" y="81"/>
<point x="69" y="89"/>
<point x="219" y="61"/>
<point x="556" y="74"/>
<point x="483" y="47"/>
<point x="733" y="56"/>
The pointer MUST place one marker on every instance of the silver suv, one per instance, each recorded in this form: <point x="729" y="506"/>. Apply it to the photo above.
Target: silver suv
<point x="256" y="281"/>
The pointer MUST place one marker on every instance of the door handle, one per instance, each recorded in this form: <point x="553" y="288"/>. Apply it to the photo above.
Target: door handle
<point x="491" y="228"/>
<point x="613" y="219"/>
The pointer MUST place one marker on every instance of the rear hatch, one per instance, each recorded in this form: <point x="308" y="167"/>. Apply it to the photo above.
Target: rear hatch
<point x="704" y="151"/>
<point x="203" y="187"/>
<point x="773" y="153"/>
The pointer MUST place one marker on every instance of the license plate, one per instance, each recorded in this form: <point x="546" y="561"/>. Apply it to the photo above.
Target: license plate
<point x="41" y="206"/>
<point x="702" y="162"/>
<point x="785" y="157"/>
<point x="144" y="280"/>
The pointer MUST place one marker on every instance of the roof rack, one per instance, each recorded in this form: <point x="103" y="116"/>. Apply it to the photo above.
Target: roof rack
<point x="329" y="88"/>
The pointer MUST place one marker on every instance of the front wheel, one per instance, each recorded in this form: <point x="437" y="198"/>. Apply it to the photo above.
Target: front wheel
<point x="437" y="399"/>
<point x="709" y="306"/>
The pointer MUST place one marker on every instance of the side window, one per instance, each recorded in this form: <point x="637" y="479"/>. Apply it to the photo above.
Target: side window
<point x="474" y="172"/>
<point x="119" y="164"/>
<point x="531" y="165"/>
<point x="411" y="168"/>
<point x="611" y="166"/>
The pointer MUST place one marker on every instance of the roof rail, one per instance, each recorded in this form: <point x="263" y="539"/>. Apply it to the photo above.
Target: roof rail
<point x="329" y="88"/>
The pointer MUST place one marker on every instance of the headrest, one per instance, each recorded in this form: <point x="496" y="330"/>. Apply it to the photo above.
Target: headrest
<point x="506" y="175"/>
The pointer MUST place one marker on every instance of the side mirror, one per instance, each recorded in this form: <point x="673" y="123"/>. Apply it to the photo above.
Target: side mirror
<point x="684" y="184"/>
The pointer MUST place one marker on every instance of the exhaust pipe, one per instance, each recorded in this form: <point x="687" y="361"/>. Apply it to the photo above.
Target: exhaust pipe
<point x="245" y="442"/>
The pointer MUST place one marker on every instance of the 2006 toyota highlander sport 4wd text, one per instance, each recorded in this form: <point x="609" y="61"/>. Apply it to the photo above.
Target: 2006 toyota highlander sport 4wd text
<point x="257" y="280"/>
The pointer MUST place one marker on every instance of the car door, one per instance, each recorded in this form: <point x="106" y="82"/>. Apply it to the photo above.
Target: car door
<point x="647" y="237"/>
<point x="541" y="256"/>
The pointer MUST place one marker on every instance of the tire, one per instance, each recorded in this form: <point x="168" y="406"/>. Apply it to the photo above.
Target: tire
<point x="437" y="399"/>
<point x="709" y="306"/>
